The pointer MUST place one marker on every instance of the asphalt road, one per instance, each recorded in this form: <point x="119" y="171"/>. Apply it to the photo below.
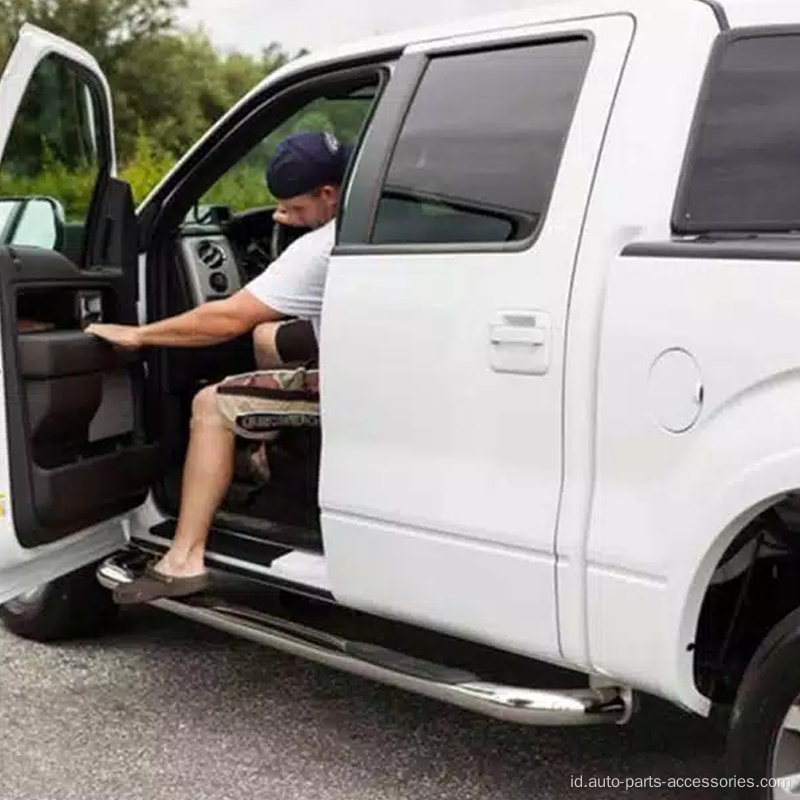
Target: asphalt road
<point x="167" y="710"/>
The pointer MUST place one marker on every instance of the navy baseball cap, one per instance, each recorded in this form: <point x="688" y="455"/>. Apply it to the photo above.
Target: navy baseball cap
<point x="305" y="161"/>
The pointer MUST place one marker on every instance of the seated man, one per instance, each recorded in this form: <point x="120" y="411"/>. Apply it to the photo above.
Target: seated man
<point x="305" y="175"/>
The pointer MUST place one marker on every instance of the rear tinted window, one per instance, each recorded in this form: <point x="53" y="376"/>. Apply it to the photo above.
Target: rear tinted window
<point x="478" y="154"/>
<point x="743" y="171"/>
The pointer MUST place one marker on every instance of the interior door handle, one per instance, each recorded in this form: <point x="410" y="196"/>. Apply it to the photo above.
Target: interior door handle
<point x="88" y="307"/>
<point x="516" y="334"/>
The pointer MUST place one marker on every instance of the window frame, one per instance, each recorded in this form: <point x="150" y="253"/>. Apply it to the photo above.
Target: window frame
<point x="680" y="224"/>
<point x="105" y="137"/>
<point x="227" y="144"/>
<point x="106" y="157"/>
<point x="382" y="74"/>
<point x="360" y="208"/>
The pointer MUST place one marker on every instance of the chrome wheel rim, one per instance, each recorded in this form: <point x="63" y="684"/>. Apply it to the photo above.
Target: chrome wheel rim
<point x="786" y="757"/>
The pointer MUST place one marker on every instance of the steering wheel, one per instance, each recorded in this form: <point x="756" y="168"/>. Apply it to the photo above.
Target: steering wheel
<point x="277" y="242"/>
<point x="260" y="253"/>
<point x="282" y="236"/>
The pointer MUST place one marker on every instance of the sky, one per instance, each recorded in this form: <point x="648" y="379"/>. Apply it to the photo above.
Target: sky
<point x="249" y="25"/>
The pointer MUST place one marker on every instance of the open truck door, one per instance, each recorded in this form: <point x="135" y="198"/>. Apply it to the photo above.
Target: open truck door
<point x="75" y="459"/>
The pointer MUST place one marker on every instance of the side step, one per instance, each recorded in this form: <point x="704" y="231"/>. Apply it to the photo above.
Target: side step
<point x="466" y="690"/>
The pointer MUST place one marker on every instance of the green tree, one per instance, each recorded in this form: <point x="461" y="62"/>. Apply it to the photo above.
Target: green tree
<point x="172" y="89"/>
<point x="169" y="83"/>
<point x="146" y="168"/>
<point x="109" y="29"/>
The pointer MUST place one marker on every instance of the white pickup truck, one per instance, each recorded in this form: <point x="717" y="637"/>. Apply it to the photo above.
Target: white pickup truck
<point x="560" y="360"/>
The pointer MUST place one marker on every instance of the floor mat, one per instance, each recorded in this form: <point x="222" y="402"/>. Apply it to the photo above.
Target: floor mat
<point x="290" y="497"/>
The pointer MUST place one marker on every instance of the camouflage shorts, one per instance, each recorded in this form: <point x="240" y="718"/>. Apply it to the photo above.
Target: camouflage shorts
<point x="258" y="403"/>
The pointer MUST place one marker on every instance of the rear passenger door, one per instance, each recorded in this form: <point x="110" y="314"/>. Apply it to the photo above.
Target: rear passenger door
<point x="73" y="458"/>
<point x="443" y="332"/>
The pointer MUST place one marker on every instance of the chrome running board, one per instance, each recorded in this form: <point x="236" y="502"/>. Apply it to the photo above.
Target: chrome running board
<point x="562" y="707"/>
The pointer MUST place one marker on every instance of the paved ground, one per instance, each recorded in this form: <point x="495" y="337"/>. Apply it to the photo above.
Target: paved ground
<point x="166" y="710"/>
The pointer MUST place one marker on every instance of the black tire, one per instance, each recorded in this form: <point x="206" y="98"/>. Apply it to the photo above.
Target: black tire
<point x="70" y="607"/>
<point x="771" y="684"/>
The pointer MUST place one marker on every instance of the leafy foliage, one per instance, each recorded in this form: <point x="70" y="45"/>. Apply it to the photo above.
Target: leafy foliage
<point x="71" y="186"/>
<point x="168" y="86"/>
<point x="171" y="83"/>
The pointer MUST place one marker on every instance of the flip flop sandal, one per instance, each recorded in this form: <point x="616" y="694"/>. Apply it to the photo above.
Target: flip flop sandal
<point x="153" y="585"/>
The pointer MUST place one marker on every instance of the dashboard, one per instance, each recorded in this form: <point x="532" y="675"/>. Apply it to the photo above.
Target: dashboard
<point x="213" y="268"/>
<point x="223" y="251"/>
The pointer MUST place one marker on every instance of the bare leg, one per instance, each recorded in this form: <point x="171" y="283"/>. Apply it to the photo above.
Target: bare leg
<point x="265" y="348"/>
<point x="207" y="473"/>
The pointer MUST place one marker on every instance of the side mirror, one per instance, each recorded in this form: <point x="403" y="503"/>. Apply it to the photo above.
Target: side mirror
<point x="32" y="221"/>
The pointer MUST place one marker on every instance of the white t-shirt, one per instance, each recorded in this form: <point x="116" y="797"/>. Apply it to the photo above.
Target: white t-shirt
<point x="295" y="282"/>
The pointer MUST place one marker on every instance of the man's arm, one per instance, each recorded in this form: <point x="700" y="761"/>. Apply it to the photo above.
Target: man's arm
<point x="210" y="323"/>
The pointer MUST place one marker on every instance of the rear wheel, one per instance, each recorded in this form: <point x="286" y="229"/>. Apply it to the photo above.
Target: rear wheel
<point x="70" y="607"/>
<point x="764" y="738"/>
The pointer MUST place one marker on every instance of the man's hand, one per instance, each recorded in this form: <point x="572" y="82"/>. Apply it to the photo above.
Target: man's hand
<point x="126" y="337"/>
<point x="207" y="324"/>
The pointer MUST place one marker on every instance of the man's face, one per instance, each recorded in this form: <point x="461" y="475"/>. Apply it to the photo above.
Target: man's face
<point x="311" y="210"/>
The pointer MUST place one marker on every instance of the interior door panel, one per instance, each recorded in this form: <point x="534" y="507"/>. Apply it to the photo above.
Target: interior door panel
<point x="66" y="471"/>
